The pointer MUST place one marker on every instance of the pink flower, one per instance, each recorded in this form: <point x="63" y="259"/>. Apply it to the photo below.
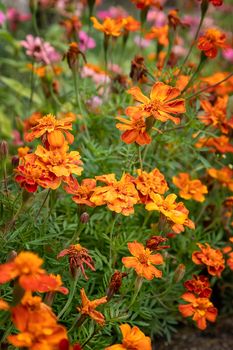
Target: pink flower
<point x="15" y="17"/>
<point x="228" y="54"/>
<point x="158" y="18"/>
<point x="94" y="103"/>
<point x="2" y="18"/>
<point x="40" y="50"/>
<point x="17" y="141"/>
<point x="113" y="12"/>
<point x="85" y="41"/>
<point x="142" y="43"/>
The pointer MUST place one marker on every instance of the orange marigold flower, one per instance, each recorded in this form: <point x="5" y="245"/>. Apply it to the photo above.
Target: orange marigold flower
<point x="37" y="325"/>
<point x="119" y="196"/>
<point x="142" y="4"/>
<point x="160" y="34"/>
<point x="83" y="192"/>
<point x="169" y="208"/>
<point x="72" y="26"/>
<point x="161" y="104"/>
<point x="153" y="243"/>
<point x="150" y="183"/>
<point x="200" y="308"/>
<point x="190" y="189"/>
<point x="31" y="172"/>
<point x="216" y="2"/>
<point x="199" y="285"/>
<point x="59" y="162"/>
<point x="212" y="258"/>
<point x="110" y="27"/>
<point x="22" y="151"/>
<point x="224" y="176"/>
<point x="78" y="257"/>
<point x="52" y="130"/>
<point x="131" y="24"/>
<point x="27" y="268"/>
<point x="220" y="144"/>
<point x="215" y="115"/>
<point x="135" y="129"/>
<point x="174" y="19"/>
<point x="143" y="260"/>
<point x="32" y="121"/>
<point x="230" y="260"/>
<point x="222" y="89"/>
<point x="210" y="41"/>
<point x="88" y="308"/>
<point x="133" y="338"/>
<point x="4" y="305"/>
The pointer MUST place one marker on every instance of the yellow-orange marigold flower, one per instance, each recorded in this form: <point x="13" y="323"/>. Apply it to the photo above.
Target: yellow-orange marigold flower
<point x="190" y="189"/>
<point x="215" y="115"/>
<point x="220" y="144"/>
<point x="222" y="89"/>
<point x="88" y="308"/>
<point x="52" y="130"/>
<point x="37" y="325"/>
<point x="119" y="196"/>
<point x="59" y="162"/>
<point x="27" y="268"/>
<point x="161" y="104"/>
<point x="212" y="258"/>
<point x="22" y="151"/>
<point x="110" y="27"/>
<point x="200" y="308"/>
<point x="131" y="24"/>
<point x="224" y="176"/>
<point x="210" y="41"/>
<point x="135" y="129"/>
<point x="160" y="34"/>
<point x="143" y="261"/>
<point x="150" y="183"/>
<point x="133" y="338"/>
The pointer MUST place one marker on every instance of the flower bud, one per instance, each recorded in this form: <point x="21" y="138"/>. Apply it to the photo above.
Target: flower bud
<point x="3" y="150"/>
<point x="84" y="218"/>
<point x="15" y="161"/>
<point x="115" y="283"/>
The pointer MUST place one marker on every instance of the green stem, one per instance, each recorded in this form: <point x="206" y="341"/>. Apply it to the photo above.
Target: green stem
<point x="71" y="295"/>
<point x="199" y="68"/>
<point x="43" y="203"/>
<point x="111" y="238"/>
<point x="138" y="285"/>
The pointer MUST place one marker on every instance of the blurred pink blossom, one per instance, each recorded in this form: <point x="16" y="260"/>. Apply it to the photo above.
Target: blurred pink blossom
<point x="158" y="18"/>
<point x="17" y="141"/>
<point x="14" y="17"/>
<point x="113" y="67"/>
<point x="85" y="41"/>
<point x="2" y="18"/>
<point x="94" y="103"/>
<point x="40" y="50"/>
<point x="112" y="12"/>
<point x="141" y="42"/>
<point x="228" y="54"/>
<point x="98" y="78"/>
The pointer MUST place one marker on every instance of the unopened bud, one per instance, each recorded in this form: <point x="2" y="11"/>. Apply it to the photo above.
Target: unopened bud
<point x="3" y="150"/>
<point x="84" y="218"/>
<point x="115" y="283"/>
<point x="15" y="161"/>
<point x="12" y="255"/>
<point x="179" y="273"/>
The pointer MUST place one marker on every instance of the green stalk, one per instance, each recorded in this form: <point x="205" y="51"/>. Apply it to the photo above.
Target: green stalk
<point x="71" y="295"/>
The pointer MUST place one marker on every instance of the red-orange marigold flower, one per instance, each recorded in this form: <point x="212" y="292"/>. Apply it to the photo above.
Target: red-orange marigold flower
<point x="220" y="144"/>
<point x="135" y="129"/>
<point x="161" y="104"/>
<point x="150" y="183"/>
<point x="160" y="34"/>
<point x="110" y="27"/>
<point x="210" y="41"/>
<point x="211" y="258"/>
<point x="131" y="24"/>
<point x="119" y="196"/>
<point x="224" y="176"/>
<point x="143" y="260"/>
<point x="222" y="89"/>
<point x="199" y="285"/>
<point x="82" y="192"/>
<point x="215" y="115"/>
<point x="142" y="4"/>
<point x="27" y="268"/>
<point x="52" y="130"/>
<point x="190" y="189"/>
<point x="88" y="308"/>
<point x="200" y="308"/>
<point x="133" y="338"/>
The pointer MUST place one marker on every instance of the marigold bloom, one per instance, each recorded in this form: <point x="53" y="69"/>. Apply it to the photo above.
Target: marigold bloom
<point x="143" y="260"/>
<point x="119" y="196"/>
<point x="4" y="305"/>
<point x="153" y="243"/>
<point x="52" y="130"/>
<point x="131" y="24"/>
<point x="230" y="260"/>
<point x="138" y="71"/>
<point x="135" y="130"/>
<point x="150" y="183"/>
<point x="200" y="308"/>
<point x="22" y="151"/>
<point x="190" y="189"/>
<point x="212" y="258"/>
<point x="72" y="25"/>
<point x="142" y="4"/>
<point x="224" y="176"/>
<point x="78" y="256"/>
<point x="222" y="89"/>
<point x="215" y="115"/>
<point x="37" y="325"/>
<point x="31" y="173"/>
<point x="216" y="2"/>
<point x="27" y="268"/>
<point x="72" y="55"/>
<point x="160" y="34"/>
<point x="168" y="207"/>
<point x="161" y="104"/>
<point x="110" y="27"/>
<point x="133" y="338"/>
<point x="88" y="308"/>
<point x="210" y="41"/>
<point x="83" y="192"/>
<point x="199" y="285"/>
<point x="60" y="163"/>
<point x="220" y="144"/>
<point x="31" y="121"/>
<point x="115" y="283"/>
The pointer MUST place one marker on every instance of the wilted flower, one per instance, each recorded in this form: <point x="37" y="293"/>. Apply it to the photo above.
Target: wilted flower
<point x="143" y="260"/>
<point x="153" y="243"/>
<point x="138" y="71"/>
<point x="115" y="283"/>
<point x="72" y="55"/>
